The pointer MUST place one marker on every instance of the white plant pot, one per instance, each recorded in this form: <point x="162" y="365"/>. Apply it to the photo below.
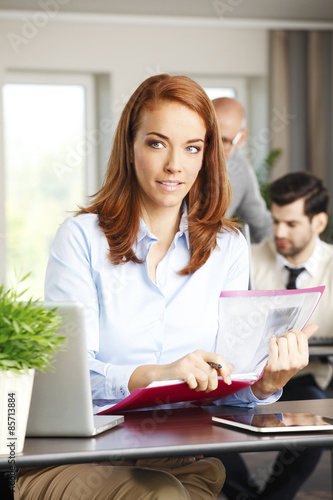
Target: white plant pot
<point x="15" y="390"/>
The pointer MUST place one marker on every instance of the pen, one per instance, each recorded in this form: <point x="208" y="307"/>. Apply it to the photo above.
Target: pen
<point x="214" y="365"/>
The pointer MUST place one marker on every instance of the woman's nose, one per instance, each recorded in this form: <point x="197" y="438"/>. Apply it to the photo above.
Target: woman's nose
<point x="174" y="162"/>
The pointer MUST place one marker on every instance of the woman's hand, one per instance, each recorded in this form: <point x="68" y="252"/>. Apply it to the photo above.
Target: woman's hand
<point x="287" y="355"/>
<point x="192" y="368"/>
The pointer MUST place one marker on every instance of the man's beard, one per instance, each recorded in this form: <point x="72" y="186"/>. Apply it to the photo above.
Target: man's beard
<point x="288" y="251"/>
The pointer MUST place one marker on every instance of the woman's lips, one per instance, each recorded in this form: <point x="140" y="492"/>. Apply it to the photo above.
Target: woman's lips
<point x="170" y="185"/>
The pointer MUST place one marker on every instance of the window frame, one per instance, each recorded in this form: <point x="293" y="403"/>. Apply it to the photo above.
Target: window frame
<point x="237" y="83"/>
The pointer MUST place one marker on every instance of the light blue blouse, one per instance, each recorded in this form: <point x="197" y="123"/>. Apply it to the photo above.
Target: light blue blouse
<point x="131" y="320"/>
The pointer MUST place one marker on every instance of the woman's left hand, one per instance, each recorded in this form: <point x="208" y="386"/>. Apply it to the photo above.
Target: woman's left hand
<point x="287" y="355"/>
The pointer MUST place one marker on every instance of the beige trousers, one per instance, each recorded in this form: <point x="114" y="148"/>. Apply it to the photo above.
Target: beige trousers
<point x="179" y="478"/>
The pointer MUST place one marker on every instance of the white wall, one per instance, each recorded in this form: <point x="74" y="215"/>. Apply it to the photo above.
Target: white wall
<point x="128" y="53"/>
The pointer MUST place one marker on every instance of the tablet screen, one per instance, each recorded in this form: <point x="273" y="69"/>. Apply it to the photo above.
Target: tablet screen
<point x="276" y="422"/>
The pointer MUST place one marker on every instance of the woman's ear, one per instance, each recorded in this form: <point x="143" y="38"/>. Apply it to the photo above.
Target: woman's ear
<point x="319" y="222"/>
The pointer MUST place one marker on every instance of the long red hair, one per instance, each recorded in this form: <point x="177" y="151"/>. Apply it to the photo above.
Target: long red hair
<point x="117" y="202"/>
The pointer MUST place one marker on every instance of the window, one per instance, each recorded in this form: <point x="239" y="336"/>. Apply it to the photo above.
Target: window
<point x="216" y="86"/>
<point x="49" y="166"/>
<point x="216" y="92"/>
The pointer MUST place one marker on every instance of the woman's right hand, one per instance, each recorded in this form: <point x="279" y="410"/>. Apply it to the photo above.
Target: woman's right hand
<point x="193" y="368"/>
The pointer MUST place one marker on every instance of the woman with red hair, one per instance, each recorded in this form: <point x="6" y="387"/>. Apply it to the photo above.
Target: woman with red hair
<point x="148" y="258"/>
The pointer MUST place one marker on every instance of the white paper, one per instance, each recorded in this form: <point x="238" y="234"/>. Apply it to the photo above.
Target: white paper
<point x="246" y="324"/>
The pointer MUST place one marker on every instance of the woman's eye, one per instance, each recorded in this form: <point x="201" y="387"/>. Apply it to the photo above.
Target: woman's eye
<point x="193" y="149"/>
<point x="156" y="144"/>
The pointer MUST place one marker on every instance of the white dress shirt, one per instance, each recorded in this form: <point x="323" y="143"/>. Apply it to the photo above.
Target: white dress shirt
<point x="133" y="321"/>
<point x="311" y="266"/>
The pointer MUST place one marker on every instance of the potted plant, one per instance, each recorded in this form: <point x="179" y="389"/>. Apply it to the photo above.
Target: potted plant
<point x="28" y="340"/>
<point x="264" y="171"/>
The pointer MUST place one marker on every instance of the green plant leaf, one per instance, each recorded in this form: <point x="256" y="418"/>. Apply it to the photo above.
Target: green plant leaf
<point x="264" y="173"/>
<point x="28" y="332"/>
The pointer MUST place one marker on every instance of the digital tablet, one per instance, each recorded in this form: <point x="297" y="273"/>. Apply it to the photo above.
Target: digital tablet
<point x="276" y="422"/>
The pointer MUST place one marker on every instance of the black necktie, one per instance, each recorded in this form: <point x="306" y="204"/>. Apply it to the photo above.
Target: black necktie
<point x="293" y="274"/>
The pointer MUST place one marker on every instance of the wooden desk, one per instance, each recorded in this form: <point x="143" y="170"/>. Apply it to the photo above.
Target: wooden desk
<point x="159" y="433"/>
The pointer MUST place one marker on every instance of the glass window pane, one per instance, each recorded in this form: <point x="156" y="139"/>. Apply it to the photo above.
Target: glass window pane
<point x="216" y="92"/>
<point x="45" y="164"/>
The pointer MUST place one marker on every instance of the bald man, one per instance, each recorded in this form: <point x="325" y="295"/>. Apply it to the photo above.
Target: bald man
<point x="246" y="201"/>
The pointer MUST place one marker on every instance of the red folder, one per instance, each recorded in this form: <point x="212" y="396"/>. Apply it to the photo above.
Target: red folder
<point x="175" y="392"/>
<point x="260" y="303"/>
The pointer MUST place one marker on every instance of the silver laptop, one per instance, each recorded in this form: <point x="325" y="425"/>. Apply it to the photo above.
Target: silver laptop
<point x="61" y="403"/>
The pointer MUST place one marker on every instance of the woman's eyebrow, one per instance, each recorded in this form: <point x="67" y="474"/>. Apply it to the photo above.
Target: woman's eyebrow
<point x="195" y="140"/>
<point x="167" y="138"/>
<point x="158" y="134"/>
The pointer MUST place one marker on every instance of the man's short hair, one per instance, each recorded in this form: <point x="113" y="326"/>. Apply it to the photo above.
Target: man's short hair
<point x="292" y="187"/>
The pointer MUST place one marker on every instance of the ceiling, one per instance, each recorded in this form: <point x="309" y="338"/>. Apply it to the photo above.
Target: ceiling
<point x="278" y="10"/>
